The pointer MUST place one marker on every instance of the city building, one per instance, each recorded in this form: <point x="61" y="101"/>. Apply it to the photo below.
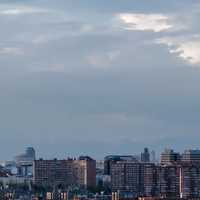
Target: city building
<point x="191" y="156"/>
<point x="137" y="178"/>
<point x="149" y="180"/>
<point x="175" y="177"/>
<point x="153" y="156"/>
<point x="125" y="177"/>
<point x="24" y="162"/>
<point x="189" y="180"/>
<point x="169" y="157"/>
<point x="169" y="181"/>
<point x="70" y="172"/>
<point x="10" y="166"/>
<point x="53" y="172"/>
<point x="60" y="195"/>
<point x="109" y="160"/>
<point x="14" y="180"/>
<point x="28" y="156"/>
<point x="145" y="156"/>
<point x="85" y="171"/>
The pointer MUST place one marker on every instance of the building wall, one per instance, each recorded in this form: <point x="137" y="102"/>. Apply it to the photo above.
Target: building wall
<point x="149" y="180"/>
<point x="65" y="172"/>
<point x="190" y="181"/>
<point x="169" y="156"/>
<point x="14" y="180"/>
<point x="53" y="172"/>
<point x="125" y="176"/>
<point x="169" y="181"/>
<point x="191" y="156"/>
<point x="85" y="172"/>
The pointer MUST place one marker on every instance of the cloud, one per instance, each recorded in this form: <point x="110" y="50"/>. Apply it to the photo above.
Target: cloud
<point x="72" y="29"/>
<point x="103" y="60"/>
<point x="48" y="68"/>
<point x="187" y="48"/>
<point x="11" y="51"/>
<point x="45" y="38"/>
<point x="145" y="22"/>
<point x="22" y="11"/>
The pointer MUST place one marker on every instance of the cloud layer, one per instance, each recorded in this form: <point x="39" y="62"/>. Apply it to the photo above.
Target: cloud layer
<point x="110" y="76"/>
<point x="186" y="48"/>
<point x="145" y="22"/>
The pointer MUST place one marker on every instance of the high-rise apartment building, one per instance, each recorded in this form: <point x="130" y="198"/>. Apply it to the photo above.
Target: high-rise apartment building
<point x="149" y="180"/>
<point x="80" y="172"/>
<point x="109" y="160"/>
<point x="169" y="180"/>
<point x="169" y="157"/>
<point x="125" y="176"/>
<point x="191" y="156"/>
<point x="145" y="156"/>
<point x="189" y="180"/>
<point x="85" y="171"/>
<point x="53" y="172"/>
<point x="173" y="178"/>
<point x="137" y="178"/>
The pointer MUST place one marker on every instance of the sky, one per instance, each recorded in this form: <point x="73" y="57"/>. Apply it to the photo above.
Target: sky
<point x="98" y="77"/>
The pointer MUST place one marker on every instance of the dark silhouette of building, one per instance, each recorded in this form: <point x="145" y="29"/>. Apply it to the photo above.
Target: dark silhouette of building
<point x="145" y="156"/>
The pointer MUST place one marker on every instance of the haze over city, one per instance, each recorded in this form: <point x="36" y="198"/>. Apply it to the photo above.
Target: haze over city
<point x="99" y="77"/>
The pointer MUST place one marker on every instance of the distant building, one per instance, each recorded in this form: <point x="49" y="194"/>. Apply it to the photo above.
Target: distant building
<point x="191" y="156"/>
<point x="100" y="165"/>
<point x="5" y="180"/>
<point x="28" y="156"/>
<point x="104" y="180"/>
<point x="153" y="156"/>
<point x="169" y="156"/>
<point x="173" y="178"/>
<point x="145" y="156"/>
<point x="24" y="162"/>
<point x="108" y="160"/>
<point x="10" y="166"/>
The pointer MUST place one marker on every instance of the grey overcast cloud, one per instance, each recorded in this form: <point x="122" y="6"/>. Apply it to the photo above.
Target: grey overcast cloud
<point x="99" y="76"/>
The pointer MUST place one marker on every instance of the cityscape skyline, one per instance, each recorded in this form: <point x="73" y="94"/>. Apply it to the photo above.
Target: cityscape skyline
<point x="121" y="177"/>
<point x="99" y="100"/>
<point x="145" y="153"/>
<point x="65" y="155"/>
